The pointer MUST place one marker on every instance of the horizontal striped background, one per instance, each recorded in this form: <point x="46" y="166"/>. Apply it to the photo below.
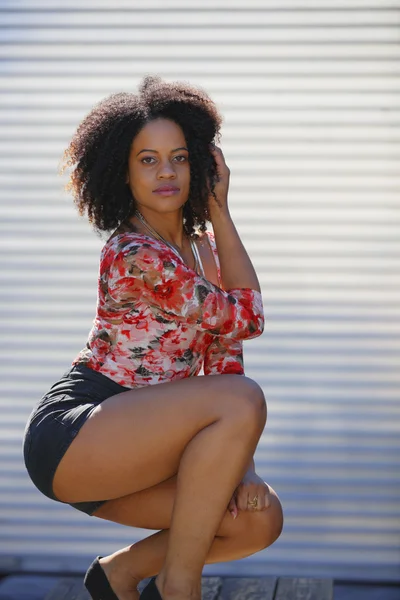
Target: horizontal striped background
<point x="309" y="91"/>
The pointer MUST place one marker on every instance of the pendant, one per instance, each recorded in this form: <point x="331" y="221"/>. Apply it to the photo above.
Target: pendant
<point x="198" y="265"/>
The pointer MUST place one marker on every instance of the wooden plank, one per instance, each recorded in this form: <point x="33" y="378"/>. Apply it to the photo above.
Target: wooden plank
<point x="213" y="588"/>
<point x="304" y="589"/>
<point x="70" y="588"/>
<point x="248" y="588"/>
<point x="26" y="587"/>
<point x="210" y="587"/>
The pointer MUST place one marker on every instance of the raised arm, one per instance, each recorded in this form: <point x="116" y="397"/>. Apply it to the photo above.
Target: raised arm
<point x="237" y="270"/>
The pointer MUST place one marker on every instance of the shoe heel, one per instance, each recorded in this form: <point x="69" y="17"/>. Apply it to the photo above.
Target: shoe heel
<point x="96" y="582"/>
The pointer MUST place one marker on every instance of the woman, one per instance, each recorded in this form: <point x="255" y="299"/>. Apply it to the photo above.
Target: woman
<point x="129" y="433"/>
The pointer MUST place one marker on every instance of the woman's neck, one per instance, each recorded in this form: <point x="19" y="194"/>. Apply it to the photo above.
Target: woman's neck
<point x="169" y="227"/>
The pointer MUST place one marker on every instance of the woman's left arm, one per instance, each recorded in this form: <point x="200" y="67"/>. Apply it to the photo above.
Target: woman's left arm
<point x="223" y="356"/>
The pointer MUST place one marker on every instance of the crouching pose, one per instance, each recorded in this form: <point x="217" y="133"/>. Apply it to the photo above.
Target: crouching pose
<point x="131" y="432"/>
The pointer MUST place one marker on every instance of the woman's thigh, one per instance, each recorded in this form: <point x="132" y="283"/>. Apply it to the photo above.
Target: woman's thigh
<point x="135" y="439"/>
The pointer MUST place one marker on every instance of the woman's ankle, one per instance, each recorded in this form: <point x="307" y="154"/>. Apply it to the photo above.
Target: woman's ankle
<point x="178" y="586"/>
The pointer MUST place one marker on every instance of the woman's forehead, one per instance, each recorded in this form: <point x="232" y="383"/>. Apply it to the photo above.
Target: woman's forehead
<point x="160" y="132"/>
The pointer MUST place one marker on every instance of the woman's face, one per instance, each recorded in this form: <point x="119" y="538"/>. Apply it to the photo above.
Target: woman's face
<point x="159" y="157"/>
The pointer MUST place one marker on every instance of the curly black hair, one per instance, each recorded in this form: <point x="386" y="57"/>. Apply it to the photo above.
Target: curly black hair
<point x="99" y="150"/>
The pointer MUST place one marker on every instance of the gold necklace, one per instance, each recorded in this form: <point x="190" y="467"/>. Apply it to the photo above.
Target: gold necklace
<point x="197" y="259"/>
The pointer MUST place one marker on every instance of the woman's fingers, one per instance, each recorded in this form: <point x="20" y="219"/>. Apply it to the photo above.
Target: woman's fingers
<point x="223" y="173"/>
<point x="246" y="496"/>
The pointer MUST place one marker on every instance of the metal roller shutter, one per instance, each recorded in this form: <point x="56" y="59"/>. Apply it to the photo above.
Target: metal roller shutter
<point x="310" y="95"/>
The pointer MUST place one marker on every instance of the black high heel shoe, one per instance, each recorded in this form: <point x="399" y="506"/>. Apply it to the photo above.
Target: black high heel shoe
<point x="97" y="584"/>
<point x="150" y="592"/>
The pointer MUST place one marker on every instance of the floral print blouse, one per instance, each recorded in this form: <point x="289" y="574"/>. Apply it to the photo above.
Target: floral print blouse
<point x="158" y="320"/>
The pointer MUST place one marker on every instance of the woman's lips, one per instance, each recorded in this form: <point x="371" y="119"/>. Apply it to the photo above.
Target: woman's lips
<point x="166" y="192"/>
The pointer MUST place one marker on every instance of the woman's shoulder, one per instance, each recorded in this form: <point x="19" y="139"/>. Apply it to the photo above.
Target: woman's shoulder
<point x="119" y="241"/>
<point x="122" y="238"/>
<point x="124" y="243"/>
<point x="123" y="248"/>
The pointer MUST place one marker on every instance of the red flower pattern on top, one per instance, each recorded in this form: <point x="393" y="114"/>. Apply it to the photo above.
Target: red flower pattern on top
<point x="158" y="320"/>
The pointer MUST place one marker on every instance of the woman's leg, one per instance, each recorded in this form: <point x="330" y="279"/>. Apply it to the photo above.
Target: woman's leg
<point x="249" y="533"/>
<point x="205" y="429"/>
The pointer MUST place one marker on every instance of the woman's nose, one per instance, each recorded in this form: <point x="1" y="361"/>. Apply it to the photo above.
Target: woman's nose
<point x="166" y="170"/>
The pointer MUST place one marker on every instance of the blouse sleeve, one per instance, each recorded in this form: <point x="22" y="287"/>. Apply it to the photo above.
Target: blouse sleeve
<point x="224" y="356"/>
<point x="147" y="271"/>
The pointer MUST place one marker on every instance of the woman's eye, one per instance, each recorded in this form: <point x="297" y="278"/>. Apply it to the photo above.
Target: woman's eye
<point x="150" y="158"/>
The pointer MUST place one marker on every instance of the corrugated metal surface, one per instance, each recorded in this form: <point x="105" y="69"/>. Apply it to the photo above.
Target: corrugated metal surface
<point x="310" y="95"/>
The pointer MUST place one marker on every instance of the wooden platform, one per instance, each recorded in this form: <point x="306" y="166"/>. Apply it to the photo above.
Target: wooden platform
<point x="37" y="587"/>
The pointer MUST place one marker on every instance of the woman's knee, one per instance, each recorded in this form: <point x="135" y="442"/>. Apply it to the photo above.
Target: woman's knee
<point x="249" y="401"/>
<point x="268" y="524"/>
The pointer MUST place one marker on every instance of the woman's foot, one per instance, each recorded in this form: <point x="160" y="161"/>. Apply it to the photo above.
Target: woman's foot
<point x="119" y="574"/>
